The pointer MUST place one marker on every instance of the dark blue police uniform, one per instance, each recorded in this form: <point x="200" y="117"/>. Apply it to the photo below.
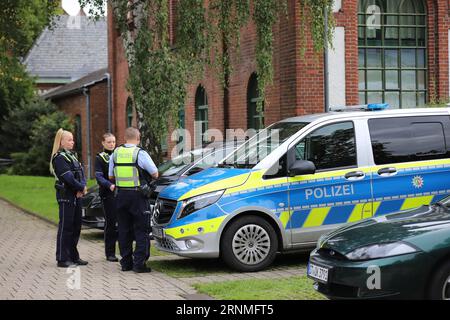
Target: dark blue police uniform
<point x="70" y="180"/>
<point x="108" y="201"/>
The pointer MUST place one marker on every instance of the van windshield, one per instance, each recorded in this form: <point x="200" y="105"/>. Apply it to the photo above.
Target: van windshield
<point x="262" y="144"/>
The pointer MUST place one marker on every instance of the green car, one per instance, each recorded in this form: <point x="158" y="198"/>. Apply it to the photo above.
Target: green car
<point x="405" y="255"/>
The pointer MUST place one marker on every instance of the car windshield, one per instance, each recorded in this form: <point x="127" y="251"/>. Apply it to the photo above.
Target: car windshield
<point x="261" y="145"/>
<point x="181" y="162"/>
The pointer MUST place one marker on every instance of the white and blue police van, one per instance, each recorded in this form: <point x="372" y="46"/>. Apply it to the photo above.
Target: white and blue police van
<point x="305" y="176"/>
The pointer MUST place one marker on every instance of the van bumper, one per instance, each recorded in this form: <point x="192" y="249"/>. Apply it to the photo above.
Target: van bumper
<point x="199" y="246"/>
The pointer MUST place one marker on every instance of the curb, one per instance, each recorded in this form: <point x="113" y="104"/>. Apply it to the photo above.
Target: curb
<point x="28" y="212"/>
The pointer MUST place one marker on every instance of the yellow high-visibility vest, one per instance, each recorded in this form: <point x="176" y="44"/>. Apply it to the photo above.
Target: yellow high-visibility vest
<point x="125" y="167"/>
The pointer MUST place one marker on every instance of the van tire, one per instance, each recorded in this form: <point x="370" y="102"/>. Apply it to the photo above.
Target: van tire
<point x="439" y="281"/>
<point x="249" y="244"/>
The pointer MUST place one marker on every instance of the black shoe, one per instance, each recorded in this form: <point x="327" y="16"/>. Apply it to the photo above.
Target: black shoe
<point x="127" y="268"/>
<point x="81" y="262"/>
<point x="66" y="264"/>
<point x="112" y="259"/>
<point x="143" y="269"/>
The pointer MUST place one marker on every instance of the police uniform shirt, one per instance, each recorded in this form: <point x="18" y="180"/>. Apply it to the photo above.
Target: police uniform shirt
<point x="144" y="161"/>
<point x="63" y="171"/>
<point x="102" y="168"/>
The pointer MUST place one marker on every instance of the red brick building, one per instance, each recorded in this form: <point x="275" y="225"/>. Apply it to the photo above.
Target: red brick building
<point x="384" y="51"/>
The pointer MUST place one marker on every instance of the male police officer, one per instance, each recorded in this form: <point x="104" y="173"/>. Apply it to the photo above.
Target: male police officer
<point x="106" y="189"/>
<point x="128" y="168"/>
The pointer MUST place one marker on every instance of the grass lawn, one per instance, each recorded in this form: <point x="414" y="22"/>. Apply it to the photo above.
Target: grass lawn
<point x="35" y="194"/>
<point x="293" y="288"/>
<point x="188" y="268"/>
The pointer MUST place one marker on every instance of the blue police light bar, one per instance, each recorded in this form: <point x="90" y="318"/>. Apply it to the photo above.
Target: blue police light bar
<point x="377" y="106"/>
<point x="362" y="107"/>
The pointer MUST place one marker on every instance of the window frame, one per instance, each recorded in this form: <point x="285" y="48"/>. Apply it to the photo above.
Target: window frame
<point x="421" y="71"/>
<point x="291" y="158"/>
<point x="418" y="119"/>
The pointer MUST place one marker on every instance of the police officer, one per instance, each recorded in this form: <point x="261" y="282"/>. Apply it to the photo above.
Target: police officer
<point x="106" y="192"/>
<point x="70" y="187"/>
<point x="129" y="166"/>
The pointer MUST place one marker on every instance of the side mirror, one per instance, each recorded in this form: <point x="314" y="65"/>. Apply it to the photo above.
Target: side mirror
<point x="301" y="167"/>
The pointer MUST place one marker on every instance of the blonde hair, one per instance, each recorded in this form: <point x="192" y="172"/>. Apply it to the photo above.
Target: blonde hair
<point x="56" y="146"/>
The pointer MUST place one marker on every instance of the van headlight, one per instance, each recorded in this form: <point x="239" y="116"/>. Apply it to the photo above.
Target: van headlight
<point x="199" y="202"/>
<point x="383" y="250"/>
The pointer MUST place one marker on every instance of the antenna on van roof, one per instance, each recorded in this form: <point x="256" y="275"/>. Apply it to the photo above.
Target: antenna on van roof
<point x="362" y="107"/>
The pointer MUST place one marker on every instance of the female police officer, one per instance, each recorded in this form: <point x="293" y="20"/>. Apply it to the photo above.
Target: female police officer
<point x="70" y="187"/>
<point x="106" y="191"/>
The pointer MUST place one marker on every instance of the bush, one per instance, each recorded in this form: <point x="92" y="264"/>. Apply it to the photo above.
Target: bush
<point x="36" y="160"/>
<point x="16" y="130"/>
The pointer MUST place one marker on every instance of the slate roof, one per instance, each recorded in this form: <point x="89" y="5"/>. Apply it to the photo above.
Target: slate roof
<point x="74" y="47"/>
<point x="77" y="86"/>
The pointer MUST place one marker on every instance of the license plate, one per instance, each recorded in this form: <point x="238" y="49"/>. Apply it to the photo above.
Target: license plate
<point x="318" y="273"/>
<point x="158" y="232"/>
<point x="83" y="212"/>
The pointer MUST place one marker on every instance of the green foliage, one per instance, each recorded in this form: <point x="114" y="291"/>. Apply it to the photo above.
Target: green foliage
<point x="22" y="21"/>
<point x="35" y="161"/>
<point x="16" y="87"/>
<point x="17" y="126"/>
<point x="160" y="71"/>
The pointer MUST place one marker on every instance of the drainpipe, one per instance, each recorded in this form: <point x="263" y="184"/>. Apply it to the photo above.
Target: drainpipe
<point x="86" y="93"/>
<point x="325" y="63"/>
<point x="108" y="77"/>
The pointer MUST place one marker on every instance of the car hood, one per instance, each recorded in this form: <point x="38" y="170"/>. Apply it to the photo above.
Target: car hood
<point x="209" y="180"/>
<point x="163" y="182"/>
<point x="418" y="227"/>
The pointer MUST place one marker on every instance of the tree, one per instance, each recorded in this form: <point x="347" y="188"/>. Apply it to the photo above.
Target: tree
<point x="22" y="21"/>
<point x="160" y="72"/>
<point x="17" y="127"/>
<point x="16" y="88"/>
<point x="35" y="160"/>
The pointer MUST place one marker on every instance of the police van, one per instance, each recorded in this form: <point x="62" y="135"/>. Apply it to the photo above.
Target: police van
<point x="302" y="177"/>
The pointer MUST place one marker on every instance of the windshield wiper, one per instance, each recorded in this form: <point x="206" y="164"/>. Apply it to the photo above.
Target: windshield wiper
<point x="225" y="165"/>
<point x="439" y="204"/>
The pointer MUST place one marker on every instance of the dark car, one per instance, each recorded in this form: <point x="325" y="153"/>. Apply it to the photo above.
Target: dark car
<point x="405" y="255"/>
<point x="170" y="171"/>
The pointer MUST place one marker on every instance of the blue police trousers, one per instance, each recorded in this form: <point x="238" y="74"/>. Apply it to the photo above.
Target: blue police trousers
<point x="110" y="233"/>
<point x="69" y="229"/>
<point x="133" y="219"/>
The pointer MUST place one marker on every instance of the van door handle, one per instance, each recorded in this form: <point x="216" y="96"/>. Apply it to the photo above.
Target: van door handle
<point x="354" y="175"/>
<point x="385" y="172"/>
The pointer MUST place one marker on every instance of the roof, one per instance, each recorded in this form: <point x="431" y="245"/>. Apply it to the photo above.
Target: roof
<point x="74" y="47"/>
<point x="354" y="114"/>
<point x="78" y="85"/>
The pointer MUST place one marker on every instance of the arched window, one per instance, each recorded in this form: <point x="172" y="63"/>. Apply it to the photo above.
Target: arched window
<point x="201" y="112"/>
<point x="255" y="117"/>
<point x="129" y="112"/>
<point x="78" y="135"/>
<point x="392" y="52"/>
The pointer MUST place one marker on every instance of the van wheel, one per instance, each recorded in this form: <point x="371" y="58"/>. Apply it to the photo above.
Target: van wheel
<point x="440" y="283"/>
<point x="249" y="244"/>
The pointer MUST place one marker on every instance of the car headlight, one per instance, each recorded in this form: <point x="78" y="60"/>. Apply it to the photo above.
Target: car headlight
<point x="381" y="251"/>
<point x="199" y="202"/>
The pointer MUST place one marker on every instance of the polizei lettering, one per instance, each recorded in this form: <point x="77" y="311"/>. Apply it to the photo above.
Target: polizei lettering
<point x="330" y="191"/>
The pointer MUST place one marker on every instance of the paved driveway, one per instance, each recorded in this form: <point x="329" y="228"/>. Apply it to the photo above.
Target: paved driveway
<point x="28" y="267"/>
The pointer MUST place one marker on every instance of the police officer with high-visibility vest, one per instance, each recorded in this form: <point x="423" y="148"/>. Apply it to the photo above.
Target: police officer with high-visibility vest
<point x="129" y="166"/>
<point x="70" y="187"/>
<point x="106" y="193"/>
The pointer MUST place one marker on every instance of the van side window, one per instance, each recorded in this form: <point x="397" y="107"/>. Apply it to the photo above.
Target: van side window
<point x="409" y="139"/>
<point x="332" y="146"/>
